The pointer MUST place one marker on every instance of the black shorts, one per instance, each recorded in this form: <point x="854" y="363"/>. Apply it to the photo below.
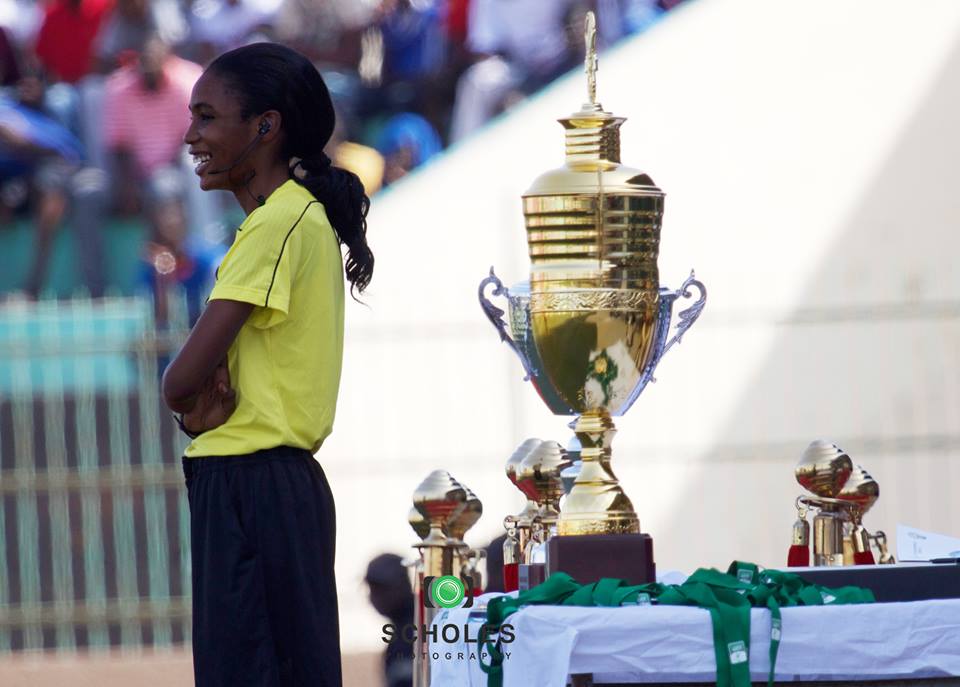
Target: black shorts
<point x="262" y="530"/>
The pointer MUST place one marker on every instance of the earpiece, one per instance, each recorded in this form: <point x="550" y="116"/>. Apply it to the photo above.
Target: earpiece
<point x="264" y="127"/>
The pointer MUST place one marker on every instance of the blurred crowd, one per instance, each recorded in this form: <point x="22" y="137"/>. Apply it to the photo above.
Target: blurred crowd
<point x="94" y="94"/>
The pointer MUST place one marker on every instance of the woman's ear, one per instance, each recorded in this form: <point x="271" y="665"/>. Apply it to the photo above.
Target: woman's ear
<point x="269" y="125"/>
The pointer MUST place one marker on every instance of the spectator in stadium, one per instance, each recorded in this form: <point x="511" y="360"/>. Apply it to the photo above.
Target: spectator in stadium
<point x="326" y="31"/>
<point x="175" y="264"/>
<point x="129" y="26"/>
<point x="392" y="597"/>
<point x="518" y="45"/>
<point x="219" y="25"/>
<point x="144" y="117"/>
<point x="413" y="39"/>
<point x="66" y="39"/>
<point x="38" y="157"/>
<point x="9" y="60"/>
<point x="406" y="141"/>
<point x="257" y="379"/>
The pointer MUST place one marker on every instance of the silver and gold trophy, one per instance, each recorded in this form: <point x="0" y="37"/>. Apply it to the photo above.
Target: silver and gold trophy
<point x="840" y="494"/>
<point x="592" y="324"/>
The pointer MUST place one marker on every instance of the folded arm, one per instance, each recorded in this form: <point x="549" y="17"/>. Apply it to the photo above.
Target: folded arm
<point x="206" y="347"/>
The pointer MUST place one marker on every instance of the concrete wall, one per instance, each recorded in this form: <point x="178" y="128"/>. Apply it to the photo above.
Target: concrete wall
<point x="807" y="151"/>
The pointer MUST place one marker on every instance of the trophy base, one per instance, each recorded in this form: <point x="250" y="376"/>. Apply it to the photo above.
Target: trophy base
<point x="588" y="558"/>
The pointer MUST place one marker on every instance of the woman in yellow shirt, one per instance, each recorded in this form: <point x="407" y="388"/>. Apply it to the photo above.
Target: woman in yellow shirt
<point x="256" y="382"/>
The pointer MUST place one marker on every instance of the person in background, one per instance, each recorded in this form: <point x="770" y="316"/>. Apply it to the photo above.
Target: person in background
<point x="414" y="74"/>
<point x="38" y="157"/>
<point x="392" y="597"/>
<point x="364" y="161"/>
<point x="144" y="116"/>
<point x="219" y="25"/>
<point x="325" y="31"/>
<point x="173" y="264"/>
<point x="66" y="39"/>
<point x="518" y="46"/>
<point x="9" y="61"/>
<point x="406" y="141"/>
<point x="413" y="39"/>
<point x="131" y="24"/>
<point x="21" y="19"/>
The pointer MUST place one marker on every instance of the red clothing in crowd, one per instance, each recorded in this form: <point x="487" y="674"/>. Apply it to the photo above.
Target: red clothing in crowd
<point x="65" y="40"/>
<point x="457" y="13"/>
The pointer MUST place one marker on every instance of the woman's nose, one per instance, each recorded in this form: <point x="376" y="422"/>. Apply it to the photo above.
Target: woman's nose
<point x="190" y="135"/>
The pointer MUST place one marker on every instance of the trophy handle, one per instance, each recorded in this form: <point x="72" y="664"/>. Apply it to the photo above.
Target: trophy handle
<point x="685" y="318"/>
<point x="495" y="315"/>
<point x="689" y="316"/>
<point x="661" y="344"/>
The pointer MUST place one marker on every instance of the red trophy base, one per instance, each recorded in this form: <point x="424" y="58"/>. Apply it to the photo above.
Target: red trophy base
<point x="587" y="558"/>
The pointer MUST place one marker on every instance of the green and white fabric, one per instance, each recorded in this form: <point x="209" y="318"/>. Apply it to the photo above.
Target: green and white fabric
<point x="675" y="643"/>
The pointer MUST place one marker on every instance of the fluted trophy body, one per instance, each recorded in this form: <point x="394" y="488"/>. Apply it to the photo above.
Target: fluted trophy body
<point x="593" y="232"/>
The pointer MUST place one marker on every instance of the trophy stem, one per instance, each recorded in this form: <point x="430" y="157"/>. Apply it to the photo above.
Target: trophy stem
<point x="596" y="503"/>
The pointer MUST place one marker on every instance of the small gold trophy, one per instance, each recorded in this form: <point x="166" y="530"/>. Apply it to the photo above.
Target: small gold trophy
<point x="841" y="493"/>
<point x="443" y="511"/>
<point x="593" y="323"/>
<point x="519" y="527"/>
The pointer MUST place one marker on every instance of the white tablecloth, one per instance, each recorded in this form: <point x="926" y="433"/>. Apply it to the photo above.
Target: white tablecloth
<point x="675" y="643"/>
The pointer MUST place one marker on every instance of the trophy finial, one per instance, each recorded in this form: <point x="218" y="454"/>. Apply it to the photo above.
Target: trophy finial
<point x="590" y="59"/>
<point x="420" y="525"/>
<point x="823" y="468"/>
<point x="465" y="516"/>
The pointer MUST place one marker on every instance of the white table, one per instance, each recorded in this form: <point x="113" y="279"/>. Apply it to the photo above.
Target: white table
<point x="656" y="644"/>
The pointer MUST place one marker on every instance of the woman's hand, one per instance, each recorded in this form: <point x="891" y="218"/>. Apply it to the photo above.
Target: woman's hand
<point x="189" y="375"/>
<point x="215" y="403"/>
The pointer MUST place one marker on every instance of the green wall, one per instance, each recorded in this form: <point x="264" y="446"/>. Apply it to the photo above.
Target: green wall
<point x="123" y="241"/>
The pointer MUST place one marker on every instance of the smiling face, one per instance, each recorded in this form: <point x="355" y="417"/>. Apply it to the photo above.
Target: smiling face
<point x="218" y="137"/>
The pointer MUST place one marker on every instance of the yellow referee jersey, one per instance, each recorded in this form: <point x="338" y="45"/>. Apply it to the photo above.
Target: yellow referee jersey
<point x="285" y="362"/>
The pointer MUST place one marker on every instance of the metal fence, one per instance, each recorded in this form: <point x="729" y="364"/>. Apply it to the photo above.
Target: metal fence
<point x="94" y="524"/>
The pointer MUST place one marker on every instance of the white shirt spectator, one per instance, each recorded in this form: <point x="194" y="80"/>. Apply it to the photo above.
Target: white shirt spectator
<point x="225" y="24"/>
<point x="120" y="34"/>
<point x="22" y="19"/>
<point x="529" y="33"/>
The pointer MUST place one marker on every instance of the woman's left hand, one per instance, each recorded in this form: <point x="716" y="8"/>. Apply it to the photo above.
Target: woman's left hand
<point x="215" y="403"/>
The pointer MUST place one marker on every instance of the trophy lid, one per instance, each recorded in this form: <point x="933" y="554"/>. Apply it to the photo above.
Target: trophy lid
<point x="592" y="145"/>
<point x="438" y="496"/>
<point x="465" y="516"/>
<point x="540" y="472"/>
<point x="420" y="525"/>
<point x="513" y="462"/>
<point x="823" y="468"/>
<point x="861" y="489"/>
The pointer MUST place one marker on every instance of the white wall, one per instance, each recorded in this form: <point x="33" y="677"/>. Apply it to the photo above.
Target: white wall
<point x="807" y="149"/>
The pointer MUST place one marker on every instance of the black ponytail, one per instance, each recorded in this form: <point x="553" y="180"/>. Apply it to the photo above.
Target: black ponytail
<point x="269" y="76"/>
<point x="346" y="202"/>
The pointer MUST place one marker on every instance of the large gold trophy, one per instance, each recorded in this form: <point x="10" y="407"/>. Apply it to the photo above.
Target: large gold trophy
<point x="593" y="323"/>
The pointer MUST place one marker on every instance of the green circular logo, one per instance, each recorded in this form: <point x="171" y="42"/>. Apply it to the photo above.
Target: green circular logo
<point x="447" y="591"/>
